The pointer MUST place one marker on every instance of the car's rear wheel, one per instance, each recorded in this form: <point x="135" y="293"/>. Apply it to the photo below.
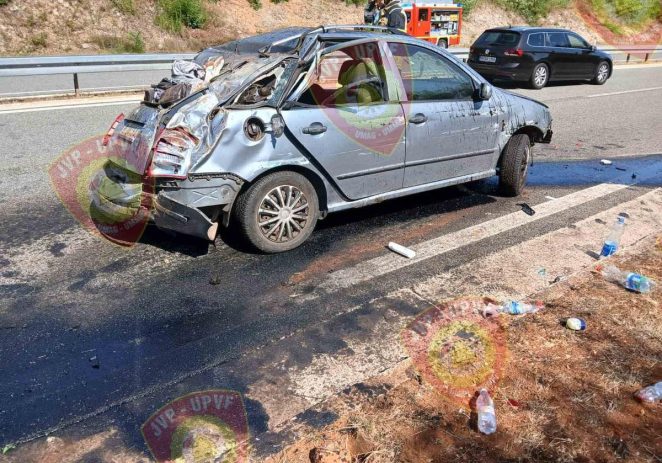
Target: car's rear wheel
<point x="278" y="212"/>
<point x="443" y="43"/>
<point x="601" y="73"/>
<point x="515" y="165"/>
<point x="539" y="76"/>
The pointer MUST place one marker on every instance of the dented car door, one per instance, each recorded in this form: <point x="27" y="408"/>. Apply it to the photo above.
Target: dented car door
<point x="343" y="117"/>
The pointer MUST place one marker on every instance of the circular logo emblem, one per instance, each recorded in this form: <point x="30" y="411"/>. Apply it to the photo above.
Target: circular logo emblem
<point x="102" y="192"/>
<point x="206" y="426"/>
<point x="457" y="350"/>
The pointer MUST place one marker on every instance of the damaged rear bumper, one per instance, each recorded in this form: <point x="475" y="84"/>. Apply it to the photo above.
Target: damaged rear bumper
<point x="192" y="206"/>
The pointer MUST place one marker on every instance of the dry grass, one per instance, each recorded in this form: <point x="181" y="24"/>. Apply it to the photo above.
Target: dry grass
<point x="566" y="396"/>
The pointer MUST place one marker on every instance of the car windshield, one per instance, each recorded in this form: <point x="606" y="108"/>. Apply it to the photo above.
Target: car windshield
<point x="499" y="38"/>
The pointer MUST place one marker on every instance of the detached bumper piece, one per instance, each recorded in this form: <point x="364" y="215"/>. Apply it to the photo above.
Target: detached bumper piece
<point x="548" y="137"/>
<point x="171" y="215"/>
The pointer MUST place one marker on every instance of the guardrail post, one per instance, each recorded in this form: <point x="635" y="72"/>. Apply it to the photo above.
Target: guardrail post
<point x="627" y="60"/>
<point x="76" y="86"/>
<point x="646" y="59"/>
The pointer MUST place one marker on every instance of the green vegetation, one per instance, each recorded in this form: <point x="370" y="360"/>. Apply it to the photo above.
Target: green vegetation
<point x="132" y="43"/>
<point x="125" y="6"/>
<point x="467" y="6"/>
<point x="532" y="10"/>
<point x="173" y="14"/>
<point x="40" y="40"/>
<point x="255" y="4"/>
<point x="4" y="2"/>
<point x="630" y="12"/>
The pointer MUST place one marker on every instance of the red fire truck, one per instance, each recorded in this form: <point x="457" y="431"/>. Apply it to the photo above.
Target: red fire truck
<point x="439" y="23"/>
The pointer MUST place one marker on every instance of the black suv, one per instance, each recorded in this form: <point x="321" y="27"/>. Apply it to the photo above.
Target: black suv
<point x="538" y="55"/>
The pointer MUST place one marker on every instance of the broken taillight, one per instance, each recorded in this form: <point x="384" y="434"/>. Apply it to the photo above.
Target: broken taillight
<point x="172" y="153"/>
<point x="111" y="130"/>
<point x="514" y="52"/>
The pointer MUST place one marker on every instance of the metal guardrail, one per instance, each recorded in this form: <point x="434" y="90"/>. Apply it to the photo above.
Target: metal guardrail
<point x="74" y="65"/>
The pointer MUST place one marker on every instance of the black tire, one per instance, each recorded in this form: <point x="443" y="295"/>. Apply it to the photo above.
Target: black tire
<point x="443" y="43"/>
<point x="539" y="76"/>
<point x="515" y="165"/>
<point x="601" y="73"/>
<point x="287" y="185"/>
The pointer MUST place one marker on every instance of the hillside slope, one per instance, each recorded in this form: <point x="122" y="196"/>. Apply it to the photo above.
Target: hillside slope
<point x="45" y="27"/>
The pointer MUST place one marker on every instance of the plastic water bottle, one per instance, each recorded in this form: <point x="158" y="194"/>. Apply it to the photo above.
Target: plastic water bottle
<point x="629" y="280"/>
<point x="486" y="414"/>
<point x="613" y="240"/>
<point x="512" y="308"/>
<point x="651" y="393"/>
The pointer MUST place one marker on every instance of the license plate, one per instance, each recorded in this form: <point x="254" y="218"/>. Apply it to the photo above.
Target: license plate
<point x="129" y="133"/>
<point x="487" y="59"/>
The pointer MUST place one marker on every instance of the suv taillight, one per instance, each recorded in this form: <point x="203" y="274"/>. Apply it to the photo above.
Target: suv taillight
<point x="514" y="52"/>
<point x="172" y="153"/>
<point x="111" y="130"/>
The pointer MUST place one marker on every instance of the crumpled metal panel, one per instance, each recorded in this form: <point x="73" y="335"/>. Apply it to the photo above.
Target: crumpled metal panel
<point x="132" y="140"/>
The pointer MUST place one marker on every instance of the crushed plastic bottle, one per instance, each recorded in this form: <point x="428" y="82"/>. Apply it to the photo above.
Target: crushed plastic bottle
<point x="512" y="308"/>
<point x="486" y="414"/>
<point x="575" y="324"/>
<point x="629" y="280"/>
<point x="651" y="393"/>
<point x="613" y="240"/>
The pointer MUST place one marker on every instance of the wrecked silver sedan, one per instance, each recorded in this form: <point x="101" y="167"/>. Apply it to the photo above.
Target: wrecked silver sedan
<point x="275" y="131"/>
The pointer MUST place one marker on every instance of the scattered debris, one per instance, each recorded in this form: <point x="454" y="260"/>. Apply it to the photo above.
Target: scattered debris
<point x="612" y="241"/>
<point x="7" y="448"/>
<point x="652" y="393"/>
<point x="215" y="280"/>
<point x="575" y="324"/>
<point x="395" y="247"/>
<point x="512" y="308"/>
<point x="486" y="414"/>
<point x="622" y="169"/>
<point x="629" y="280"/>
<point x="94" y="361"/>
<point x="606" y="162"/>
<point x="526" y="209"/>
<point x="551" y="198"/>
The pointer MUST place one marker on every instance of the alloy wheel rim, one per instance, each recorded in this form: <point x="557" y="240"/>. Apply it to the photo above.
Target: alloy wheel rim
<point x="602" y="72"/>
<point x="541" y="76"/>
<point x="283" y="214"/>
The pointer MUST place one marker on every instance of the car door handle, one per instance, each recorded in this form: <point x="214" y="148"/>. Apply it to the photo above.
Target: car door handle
<point x="418" y="118"/>
<point x="314" y="129"/>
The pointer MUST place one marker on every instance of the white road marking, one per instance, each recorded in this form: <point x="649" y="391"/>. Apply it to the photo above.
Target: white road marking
<point x="388" y="263"/>
<point x="624" y="92"/>
<point x="70" y="91"/>
<point x="68" y="106"/>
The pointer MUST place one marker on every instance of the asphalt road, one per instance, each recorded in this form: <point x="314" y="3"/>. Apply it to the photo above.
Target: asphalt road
<point x="93" y="335"/>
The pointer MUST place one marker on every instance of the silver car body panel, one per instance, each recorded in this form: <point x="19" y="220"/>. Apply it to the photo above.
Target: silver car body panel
<point x="461" y="141"/>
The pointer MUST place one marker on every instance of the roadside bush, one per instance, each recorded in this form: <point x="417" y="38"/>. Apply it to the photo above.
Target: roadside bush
<point x="356" y="2"/>
<point x="132" y="43"/>
<point x="4" y="2"/>
<point x="255" y="4"/>
<point x="631" y="12"/>
<point x="125" y="6"/>
<point x="468" y="5"/>
<point x="39" y="40"/>
<point x="173" y="14"/>
<point x="533" y="10"/>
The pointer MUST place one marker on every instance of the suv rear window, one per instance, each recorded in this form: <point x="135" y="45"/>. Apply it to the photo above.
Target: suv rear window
<point x="537" y="39"/>
<point x="498" y="38"/>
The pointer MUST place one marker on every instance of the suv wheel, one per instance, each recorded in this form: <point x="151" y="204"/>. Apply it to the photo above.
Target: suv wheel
<point x="278" y="212"/>
<point x="539" y="76"/>
<point x="443" y="43"/>
<point x="601" y="73"/>
<point x="515" y="165"/>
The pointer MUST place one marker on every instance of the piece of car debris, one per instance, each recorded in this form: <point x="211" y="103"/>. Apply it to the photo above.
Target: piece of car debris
<point x="605" y="162"/>
<point x="528" y="210"/>
<point x="551" y="198"/>
<point x="403" y="251"/>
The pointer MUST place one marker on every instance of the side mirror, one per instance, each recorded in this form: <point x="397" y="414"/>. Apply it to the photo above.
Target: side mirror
<point x="485" y="91"/>
<point x="593" y="47"/>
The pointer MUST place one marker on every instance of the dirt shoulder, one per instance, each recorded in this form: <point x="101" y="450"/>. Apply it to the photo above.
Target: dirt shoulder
<point x="560" y="395"/>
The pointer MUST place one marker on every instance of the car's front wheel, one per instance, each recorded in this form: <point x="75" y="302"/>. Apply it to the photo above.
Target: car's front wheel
<point x="601" y="73"/>
<point x="278" y="212"/>
<point x="515" y="165"/>
<point x="539" y="76"/>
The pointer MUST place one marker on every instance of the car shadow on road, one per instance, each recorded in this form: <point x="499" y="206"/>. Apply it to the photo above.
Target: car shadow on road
<point x="511" y="85"/>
